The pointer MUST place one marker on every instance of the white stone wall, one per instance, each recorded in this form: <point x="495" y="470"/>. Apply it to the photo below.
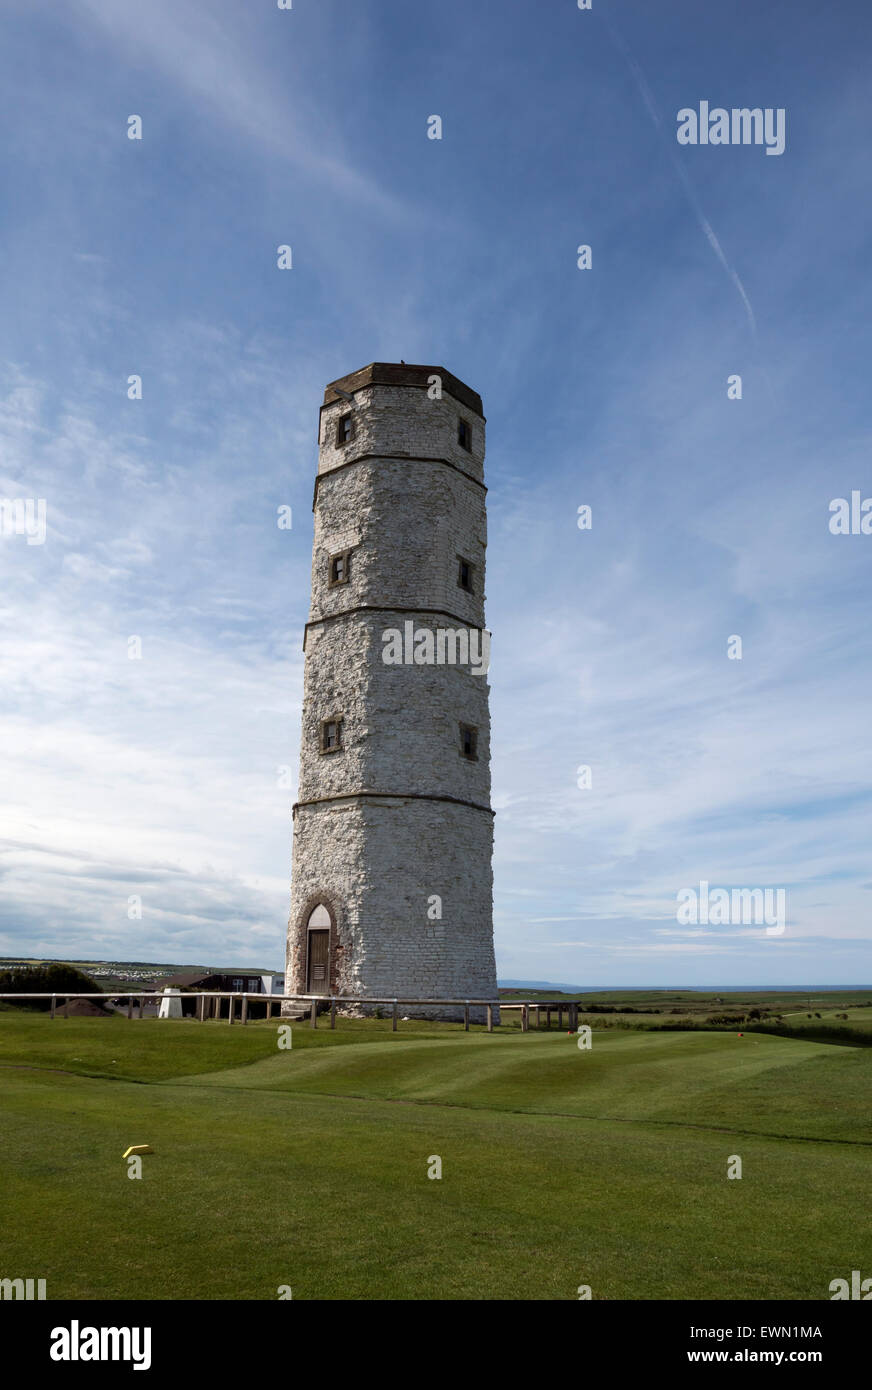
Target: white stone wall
<point x="378" y="863"/>
<point x="408" y="521"/>
<point x="402" y="420"/>
<point x="401" y="724"/>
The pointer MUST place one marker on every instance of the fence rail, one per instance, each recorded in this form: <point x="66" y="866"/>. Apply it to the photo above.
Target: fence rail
<point x="215" y="997"/>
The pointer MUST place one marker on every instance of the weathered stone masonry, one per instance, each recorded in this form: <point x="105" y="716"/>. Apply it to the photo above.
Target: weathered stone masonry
<point x="398" y="815"/>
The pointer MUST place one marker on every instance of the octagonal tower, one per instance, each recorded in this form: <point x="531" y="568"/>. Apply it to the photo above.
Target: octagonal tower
<point x="393" y="829"/>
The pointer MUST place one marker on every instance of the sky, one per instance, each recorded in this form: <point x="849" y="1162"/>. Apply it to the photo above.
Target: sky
<point x="163" y="777"/>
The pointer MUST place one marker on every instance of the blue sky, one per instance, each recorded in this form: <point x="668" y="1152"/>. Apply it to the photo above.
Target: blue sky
<point x="160" y="777"/>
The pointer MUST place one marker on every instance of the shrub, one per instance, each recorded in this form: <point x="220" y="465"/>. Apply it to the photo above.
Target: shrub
<point x="52" y="978"/>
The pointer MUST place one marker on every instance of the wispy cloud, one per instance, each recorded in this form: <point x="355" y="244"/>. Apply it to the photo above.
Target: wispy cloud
<point x="221" y="64"/>
<point x="668" y="141"/>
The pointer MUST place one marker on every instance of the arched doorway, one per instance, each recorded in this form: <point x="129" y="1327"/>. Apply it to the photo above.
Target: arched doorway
<point x="318" y="951"/>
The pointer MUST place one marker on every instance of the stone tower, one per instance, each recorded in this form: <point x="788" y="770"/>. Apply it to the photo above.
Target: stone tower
<point x="393" y="831"/>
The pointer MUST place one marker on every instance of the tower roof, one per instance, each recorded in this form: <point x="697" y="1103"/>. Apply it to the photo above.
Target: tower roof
<point x="403" y="374"/>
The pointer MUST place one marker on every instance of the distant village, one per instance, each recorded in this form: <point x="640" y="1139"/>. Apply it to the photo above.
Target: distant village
<point x="108" y="973"/>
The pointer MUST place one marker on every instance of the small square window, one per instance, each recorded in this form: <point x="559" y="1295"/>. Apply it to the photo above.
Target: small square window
<point x="465" y="572"/>
<point x="469" y="742"/>
<point x="331" y="735"/>
<point x="464" y="434"/>
<point x="344" y="429"/>
<point x="339" y="569"/>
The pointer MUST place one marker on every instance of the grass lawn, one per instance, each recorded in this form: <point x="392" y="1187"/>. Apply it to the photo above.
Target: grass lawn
<point x="308" y="1167"/>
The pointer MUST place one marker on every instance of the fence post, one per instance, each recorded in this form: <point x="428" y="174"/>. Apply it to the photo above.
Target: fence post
<point x="332" y="1013"/>
<point x="490" y="1018"/>
<point x="232" y="1002"/>
<point x="201" y="1008"/>
<point x="245" y="1008"/>
<point x="141" y="1004"/>
<point x="560" y="1017"/>
<point x="53" y="1002"/>
<point x="314" y="1014"/>
<point x="525" y="1022"/>
<point x="466" y="1017"/>
<point x="538" y="1017"/>
<point x="130" y="1006"/>
<point x="394" y="1018"/>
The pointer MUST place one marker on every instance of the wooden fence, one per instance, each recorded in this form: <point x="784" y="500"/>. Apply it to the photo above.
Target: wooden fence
<point x="212" y="1008"/>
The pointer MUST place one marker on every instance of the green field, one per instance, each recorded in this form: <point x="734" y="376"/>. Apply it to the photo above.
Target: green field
<point x="308" y="1167"/>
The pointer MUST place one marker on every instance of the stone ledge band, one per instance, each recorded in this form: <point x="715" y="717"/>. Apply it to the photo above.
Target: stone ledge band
<point x="392" y="796"/>
<point x="405" y="458"/>
<point x="380" y="608"/>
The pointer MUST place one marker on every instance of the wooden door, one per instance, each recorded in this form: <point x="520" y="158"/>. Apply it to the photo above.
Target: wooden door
<point x="319" y="959"/>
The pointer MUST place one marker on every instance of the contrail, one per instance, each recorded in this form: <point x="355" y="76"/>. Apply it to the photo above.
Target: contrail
<point x="706" y="226"/>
